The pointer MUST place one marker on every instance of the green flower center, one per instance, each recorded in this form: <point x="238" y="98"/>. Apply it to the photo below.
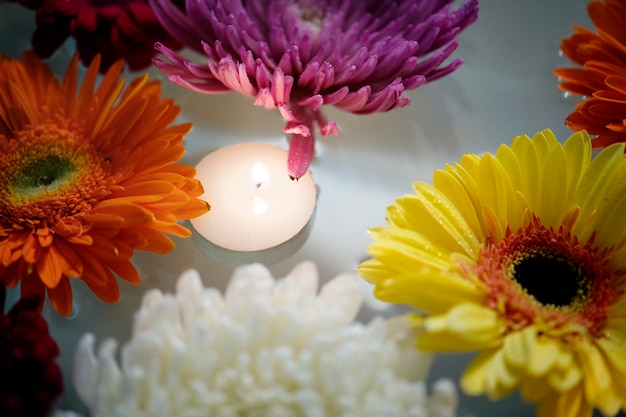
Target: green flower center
<point x="43" y="176"/>
<point x="49" y="173"/>
<point x="552" y="279"/>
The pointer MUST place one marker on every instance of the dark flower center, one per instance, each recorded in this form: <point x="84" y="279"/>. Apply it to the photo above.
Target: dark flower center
<point x="43" y="176"/>
<point x="542" y="275"/>
<point x="551" y="279"/>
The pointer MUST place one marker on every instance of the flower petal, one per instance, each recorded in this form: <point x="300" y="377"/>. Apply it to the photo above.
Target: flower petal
<point x="469" y="322"/>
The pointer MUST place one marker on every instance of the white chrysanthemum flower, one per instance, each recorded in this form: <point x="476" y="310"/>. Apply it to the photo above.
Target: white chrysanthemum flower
<point x="265" y="348"/>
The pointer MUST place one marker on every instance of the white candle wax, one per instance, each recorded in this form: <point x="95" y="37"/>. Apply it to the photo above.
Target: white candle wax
<point x="258" y="213"/>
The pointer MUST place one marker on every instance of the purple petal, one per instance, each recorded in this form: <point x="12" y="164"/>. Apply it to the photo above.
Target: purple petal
<point x="336" y="96"/>
<point x="355" y="101"/>
<point x="384" y="100"/>
<point x="359" y="55"/>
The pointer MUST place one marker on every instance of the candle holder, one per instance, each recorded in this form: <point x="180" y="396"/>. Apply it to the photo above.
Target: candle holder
<point x="258" y="212"/>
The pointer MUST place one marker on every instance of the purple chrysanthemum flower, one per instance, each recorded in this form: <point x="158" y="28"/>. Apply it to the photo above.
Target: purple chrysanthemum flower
<point x="297" y="55"/>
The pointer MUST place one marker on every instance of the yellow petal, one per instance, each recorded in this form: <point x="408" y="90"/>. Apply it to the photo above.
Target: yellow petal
<point x="526" y="153"/>
<point x="597" y="376"/>
<point x="534" y="389"/>
<point x="466" y="173"/>
<point x="518" y="346"/>
<point x="402" y="249"/>
<point x="553" y="191"/>
<point x="449" y="185"/>
<point x="593" y="185"/>
<point x="600" y="381"/>
<point x="496" y="193"/>
<point x="511" y="164"/>
<point x="544" y="141"/>
<point x="474" y="379"/>
<point x="568" y="404"/>
<point x="617" y="261"/>
<point x="428" y="290"/>
<point x="494" y="226"/>
<point x="470" y="163"/>
<point x="618" y="380"/>
<point x="432" y="219"/>
<point x="609" y="402"/>
<point x="490" y="373"/>
<point x="614" y="350"/>
<point x="578" y="150"/>
<point x="471" y="321"/>
<point x="437" y="202"/>
<point x="564" y="379"/>
<point x="543" y="356"/>
<point x="373" y="271"/>
<point x="565" y="359"/>
<point x="613" y="331"/>
<point x="449" y="342"/>
<point x="611" y="208"/>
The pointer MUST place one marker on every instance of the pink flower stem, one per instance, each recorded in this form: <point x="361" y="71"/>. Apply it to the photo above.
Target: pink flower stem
<point x="301" y="150"/>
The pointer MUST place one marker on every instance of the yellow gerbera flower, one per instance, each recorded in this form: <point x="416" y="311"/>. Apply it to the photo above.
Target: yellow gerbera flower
<point x="520" y="255"/>
<point x="87" y="176"/>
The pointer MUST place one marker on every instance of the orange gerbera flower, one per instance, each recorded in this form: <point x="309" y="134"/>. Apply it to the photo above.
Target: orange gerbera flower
<point x="602" y="78"/>
<point x="87" y="176"/>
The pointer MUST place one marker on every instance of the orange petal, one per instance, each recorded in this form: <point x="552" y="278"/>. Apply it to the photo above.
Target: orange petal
<point x="31" y="251"/>
<point x="71" y="264"/>
<point x="44" y="236"/>
<point x="131" y="213"/>
<point x="193" y="208"/>
<point x="156" y="241"/>
<point x="108" y="219"/>
<point x="99" y="278"/>
<point x="94" y="272"/>
<point x="57" y="260"/>
<point x="148" y="190"/>
<point x="108" y="291"/>
<point x="61" y="297"/>
<point x="10" y="248"/>
<point x="173" y="229"/>
<point x="105" y="249"/>
<point x="49" y="268"/>
<point x="125" y="270"/>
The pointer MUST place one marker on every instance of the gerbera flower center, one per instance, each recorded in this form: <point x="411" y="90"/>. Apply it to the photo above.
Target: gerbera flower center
<point x="48" y="173"/>
<point x="43" y="176"/>
<point x="551" y="278"/>
<point x="538" y="274"/>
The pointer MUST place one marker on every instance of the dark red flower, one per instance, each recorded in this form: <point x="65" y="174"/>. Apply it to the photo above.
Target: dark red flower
<point x="30" y="378"/>
<point x="121" y="29"/>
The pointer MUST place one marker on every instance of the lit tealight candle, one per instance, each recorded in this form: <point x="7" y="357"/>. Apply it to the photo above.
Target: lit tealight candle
<point x="258" y="213"/>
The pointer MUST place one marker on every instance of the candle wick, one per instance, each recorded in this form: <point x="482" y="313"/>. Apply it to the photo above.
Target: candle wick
<point x="293" y="178"/>
<point x="258" y="185"/>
